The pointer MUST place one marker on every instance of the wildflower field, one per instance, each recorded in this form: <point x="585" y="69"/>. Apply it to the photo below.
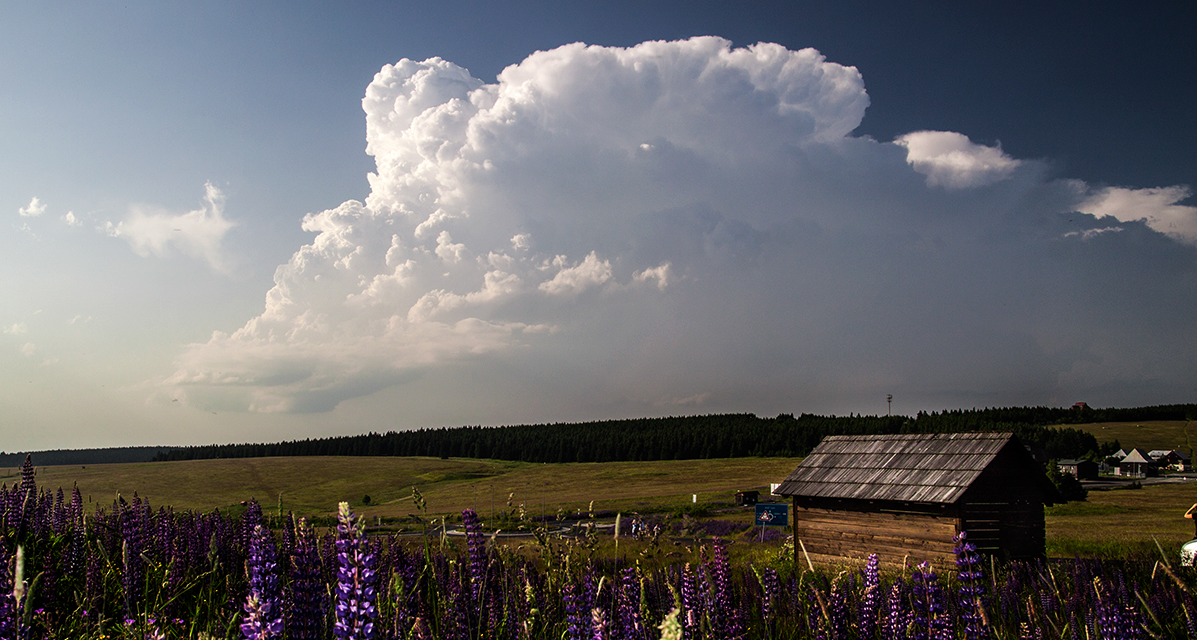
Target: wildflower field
<point x="128" y="570"/>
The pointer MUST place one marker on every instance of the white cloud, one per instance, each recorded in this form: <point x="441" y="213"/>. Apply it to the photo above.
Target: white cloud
<point x="1089" y="234"/>
<point x="196" y="234"/>
<point x="71" y="220"/>
<point x="16" y="329"/>
<point x="36" y="208"/>
<point x="744" y="243"/>
<point x="659" y="273"/>
<point x="952" y="161"/>
<point x="588" y="273"/>
<point x="1158" y="208"/>
<point x="28" y="349"/>
<point x="447" y="250"/>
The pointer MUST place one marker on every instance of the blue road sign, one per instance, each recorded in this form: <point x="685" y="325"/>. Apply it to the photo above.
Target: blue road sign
<point x="772" y="514"/>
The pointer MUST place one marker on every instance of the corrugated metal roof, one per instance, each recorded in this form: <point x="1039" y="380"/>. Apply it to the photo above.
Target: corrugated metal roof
<point x="922" y="467"/>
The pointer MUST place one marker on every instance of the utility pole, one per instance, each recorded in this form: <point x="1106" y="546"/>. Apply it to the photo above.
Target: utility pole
<point x="889" y="403"/>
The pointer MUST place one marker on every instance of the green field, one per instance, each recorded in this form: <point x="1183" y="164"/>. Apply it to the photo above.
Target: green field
<point x="314" y="485"/>
<point x="1148" y="435"/>
<point x="1109" y="523"/>
<point x="1116" y="522"/>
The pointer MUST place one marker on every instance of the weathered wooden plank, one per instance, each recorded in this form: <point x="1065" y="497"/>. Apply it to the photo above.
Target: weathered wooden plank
<point x="913" y="532"/>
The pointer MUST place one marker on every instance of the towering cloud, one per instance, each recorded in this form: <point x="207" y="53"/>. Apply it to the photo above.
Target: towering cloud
<point x="690" y="220"/>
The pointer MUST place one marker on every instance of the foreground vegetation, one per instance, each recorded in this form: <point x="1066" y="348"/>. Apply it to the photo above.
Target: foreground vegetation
<point x="129" y="571"/>
<point x="96" y="563"/>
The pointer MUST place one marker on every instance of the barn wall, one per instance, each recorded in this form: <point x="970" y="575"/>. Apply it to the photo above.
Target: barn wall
<point x="1003" y="509"/>
<point x="897" y="538"/>
<point x="1013" y="530"/>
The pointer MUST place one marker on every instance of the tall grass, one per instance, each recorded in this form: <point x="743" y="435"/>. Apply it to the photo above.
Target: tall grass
<point x="132" y="571"/>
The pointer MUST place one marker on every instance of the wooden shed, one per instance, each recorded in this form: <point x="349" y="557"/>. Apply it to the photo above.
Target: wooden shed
<point x="904" y="497"/>
<point x="1080" y="469"/>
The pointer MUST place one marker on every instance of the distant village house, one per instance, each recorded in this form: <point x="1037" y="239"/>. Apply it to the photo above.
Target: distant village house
<point x="1080" y="469"/>
<point x="1137" y="464"/>
<point x="1170" y="459"/>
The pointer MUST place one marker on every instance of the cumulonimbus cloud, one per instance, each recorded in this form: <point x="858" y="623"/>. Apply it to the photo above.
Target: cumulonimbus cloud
<point x="514" y="227"/>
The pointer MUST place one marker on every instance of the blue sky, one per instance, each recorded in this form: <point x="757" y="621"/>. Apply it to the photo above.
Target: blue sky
<point x="961" y="206"/>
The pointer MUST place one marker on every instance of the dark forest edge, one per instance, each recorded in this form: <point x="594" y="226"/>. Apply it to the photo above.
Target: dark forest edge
<point x="671" y="438"/>
<point x="696" y="437"/>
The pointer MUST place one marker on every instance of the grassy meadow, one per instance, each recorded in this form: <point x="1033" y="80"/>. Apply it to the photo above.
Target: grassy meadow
<point x="314" y="485"/>
<point x="1109" y="523"/>
<point x="1147" y="435"/>
<point x="1118" y="522"/>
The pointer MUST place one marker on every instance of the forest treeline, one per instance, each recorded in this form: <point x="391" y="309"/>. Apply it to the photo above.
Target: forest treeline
<point x="710" y="436"/>
<point x="84" y="456"/>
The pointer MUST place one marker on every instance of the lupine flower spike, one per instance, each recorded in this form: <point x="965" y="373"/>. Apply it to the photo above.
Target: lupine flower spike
<point x="355" y="612"/>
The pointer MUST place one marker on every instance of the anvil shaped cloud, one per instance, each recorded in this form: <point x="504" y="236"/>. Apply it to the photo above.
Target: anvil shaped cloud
<point x="692" y="220"/>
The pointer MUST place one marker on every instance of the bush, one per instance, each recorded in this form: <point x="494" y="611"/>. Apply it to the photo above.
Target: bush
<point x="1067" y="485"/>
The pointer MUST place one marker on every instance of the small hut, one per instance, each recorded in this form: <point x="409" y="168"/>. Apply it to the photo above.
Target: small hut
<point x="905" y="497"/>
<point x="1081" y="469"/>
<point x="747" y="498"/>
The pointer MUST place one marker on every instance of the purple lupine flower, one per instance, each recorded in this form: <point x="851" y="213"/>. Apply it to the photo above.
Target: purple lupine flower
<point x="404" y="571"/>
<point x="770" y="587"/>
<point x="931" y="621"/>
<point x="574" y="611"/>
<point x="836" y="623"/>
<point x="8" y="603"/>
<point x="1116" y="617"/>
<point x="133" y="567"/>
<point x="454" y="624"/>
<point x="250" y="518"/>
<point x="628" y="623"/>
<point x="898" y="617"/>
<point x="263" y="610"/>
<point x="599" y="624"/>
<point x="972" y="589"/>
<point x="77" y="553"/>
<point x="93" y="588"/>
<point x="58" y="518"/>
<point x="477" y="549"/>
<point x="76" y="509"/>
<point x="328" y="557"/>
<point x="288" y="541"/>
<point x="870" y="602"/>
<point x="691" y="604"/>
<point x="355" y="612"/>
<point x="723" y="614"/>
<point x="262" y="621"/>
<point x="22" y="498"/>
<point x="28" y="485"/>
<point x="304" y="598"/>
